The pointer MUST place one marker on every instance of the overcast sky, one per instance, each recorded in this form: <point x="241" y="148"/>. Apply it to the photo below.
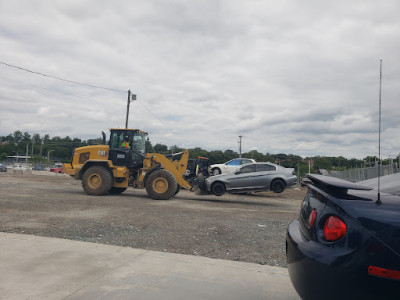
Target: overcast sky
<point x="294" y="77"/>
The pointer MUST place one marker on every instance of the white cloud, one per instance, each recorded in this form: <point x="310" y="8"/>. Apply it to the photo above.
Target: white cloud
<point x="290" y="76"/>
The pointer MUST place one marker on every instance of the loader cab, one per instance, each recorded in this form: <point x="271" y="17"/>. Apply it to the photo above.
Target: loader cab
<point x="127" y="147"/>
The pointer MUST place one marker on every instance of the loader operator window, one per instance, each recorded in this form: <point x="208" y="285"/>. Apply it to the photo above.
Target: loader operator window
<point x="139" y="142"/>
<point x="136" y="141"/>
<point x="117" y="138"/>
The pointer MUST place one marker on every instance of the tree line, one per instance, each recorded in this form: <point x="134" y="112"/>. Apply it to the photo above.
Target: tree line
<point x="45" y="148"/>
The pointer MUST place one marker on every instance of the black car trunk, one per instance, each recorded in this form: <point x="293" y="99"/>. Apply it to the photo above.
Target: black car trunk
<point x="381" y="220"/>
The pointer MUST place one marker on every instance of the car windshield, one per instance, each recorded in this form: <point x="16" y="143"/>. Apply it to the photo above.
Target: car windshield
<point x="234" y="162"/>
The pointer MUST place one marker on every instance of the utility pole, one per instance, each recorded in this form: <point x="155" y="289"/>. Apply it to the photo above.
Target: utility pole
<point x="26" y="155"/>
<point x="33" y="142"/>
<point x="298" y="172"/>
<point x="240" y="146"/>
<point x="131" y="97"/>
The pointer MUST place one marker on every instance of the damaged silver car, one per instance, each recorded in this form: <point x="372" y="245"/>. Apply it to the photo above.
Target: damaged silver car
<point x="253" y="177"/>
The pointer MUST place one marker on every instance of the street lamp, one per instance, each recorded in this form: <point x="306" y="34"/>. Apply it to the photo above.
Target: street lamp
<point x="16" y="159"/>
<point x="48" y="155"/>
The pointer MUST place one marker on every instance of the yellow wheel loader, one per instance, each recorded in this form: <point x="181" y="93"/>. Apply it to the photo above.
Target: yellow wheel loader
<point x="111" y="168"/>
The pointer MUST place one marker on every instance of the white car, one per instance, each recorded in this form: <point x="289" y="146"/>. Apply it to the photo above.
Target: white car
<point x="229" y="166"/>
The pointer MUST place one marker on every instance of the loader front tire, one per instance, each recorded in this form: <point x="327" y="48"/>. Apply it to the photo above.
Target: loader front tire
<point x="97" y="181"/>
<point x="161" y="185"/>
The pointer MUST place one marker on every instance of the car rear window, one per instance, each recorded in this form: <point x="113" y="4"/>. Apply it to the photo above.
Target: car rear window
<point x="246" y="161"/>
<point x="265" y="167"/>
<point x="248" y="169"/>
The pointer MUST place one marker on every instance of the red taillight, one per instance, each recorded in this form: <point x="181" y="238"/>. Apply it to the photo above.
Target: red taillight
<point x="334" y="229"/>
<point x="312" y="217"/>
<point x="386" y="273"/>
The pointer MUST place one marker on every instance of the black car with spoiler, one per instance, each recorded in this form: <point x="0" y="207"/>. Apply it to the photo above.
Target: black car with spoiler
<point x="345" y="243"/>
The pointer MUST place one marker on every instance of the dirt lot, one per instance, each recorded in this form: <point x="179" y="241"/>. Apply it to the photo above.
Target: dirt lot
<point x="248" y="228"/>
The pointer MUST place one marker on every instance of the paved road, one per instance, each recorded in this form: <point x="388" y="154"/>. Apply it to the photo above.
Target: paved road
<point x="35" y="267"/>
<point x="246" y="228"/>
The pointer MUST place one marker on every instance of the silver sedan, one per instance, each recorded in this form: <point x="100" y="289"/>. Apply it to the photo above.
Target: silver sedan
<point x="254" y="177"/>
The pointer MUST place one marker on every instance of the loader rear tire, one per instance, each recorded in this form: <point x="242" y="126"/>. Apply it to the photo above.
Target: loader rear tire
<point x="161" y="185"/>
<point x="97" y="181"/>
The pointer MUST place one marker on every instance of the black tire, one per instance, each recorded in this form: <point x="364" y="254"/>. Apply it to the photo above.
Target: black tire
<point x="278" y="186"/>
<point x="161" y="185"/>
<point x="97" y="181"/>
<point x="117" y="190"/>
<point x="216" y="171"/>
<point x="218" y="188"/>
<point x="201" y="181"/>
<point x="178" y="188"/>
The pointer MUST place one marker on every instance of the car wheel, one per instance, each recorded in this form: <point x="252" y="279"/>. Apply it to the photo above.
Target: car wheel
<point x="201" y="181"/>
<point x="278" y="186"/>
<point x="216" y="171"/>
<point x="218" y="188"/>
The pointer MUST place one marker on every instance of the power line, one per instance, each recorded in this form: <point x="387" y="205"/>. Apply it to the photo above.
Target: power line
<point x="61" y="79"/>
<point x="70" y="81"/>
<point x="42" y="88"/>
<point x="162" y="123"/>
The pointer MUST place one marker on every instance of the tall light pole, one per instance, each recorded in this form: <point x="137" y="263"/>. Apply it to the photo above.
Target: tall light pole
<point x="48" y="155"/>
<point x="16" y="159"/>
<point x="131" y="97"/>
<point x="240" y="146"/>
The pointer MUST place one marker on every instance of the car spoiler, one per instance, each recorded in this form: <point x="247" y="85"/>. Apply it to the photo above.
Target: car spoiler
<point x="327" y="182"/>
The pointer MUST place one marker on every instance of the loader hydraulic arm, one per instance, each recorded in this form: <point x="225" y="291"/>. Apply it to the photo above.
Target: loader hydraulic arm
<point x="177" y="168"/>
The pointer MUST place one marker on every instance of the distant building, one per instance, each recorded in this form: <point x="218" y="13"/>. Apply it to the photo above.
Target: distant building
<point x="17" y="158"/>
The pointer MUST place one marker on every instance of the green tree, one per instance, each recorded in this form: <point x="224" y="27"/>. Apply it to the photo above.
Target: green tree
<point x="17" y="136"/>
<point x="176" y="149"/>
<point x="217" y="157"/>
<point x="160" y="148"/>
<point x="9" y="138"/>
<point x="67" y="139"/>
<point x="46" y="138"/>
<point x="149" y="147"/>
<point x="322" y="163"/>
<point x="254" y="154"/>
<point x="36" y="138"/>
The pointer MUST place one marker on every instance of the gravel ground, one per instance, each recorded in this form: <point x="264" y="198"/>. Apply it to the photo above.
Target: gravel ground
<point x="249" y="228"/>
